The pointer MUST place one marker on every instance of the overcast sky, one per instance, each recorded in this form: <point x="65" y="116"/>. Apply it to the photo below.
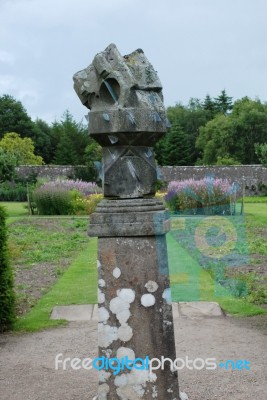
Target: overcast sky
<point x="197" y="47"/>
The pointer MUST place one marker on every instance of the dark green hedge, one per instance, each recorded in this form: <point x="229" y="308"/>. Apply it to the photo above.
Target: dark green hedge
<point x="7" y="296"/>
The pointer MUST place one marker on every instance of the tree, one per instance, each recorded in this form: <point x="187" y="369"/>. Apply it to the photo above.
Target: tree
<point x="223" y="103"/>
<point x="234" y="135"/>
<point x="261" y="152"/>
<point x="14" y="118"/>
<point x="216" y="139"/>
<point x="8" y="164"/>
<point x="21" y="149"/>
<point x="42" y="138"/>
<point x="210" y="106"/>
<point x="250" y="126"/>
<point x="178" y="148"/>
<point x="72" y="139"/>
<point x="189" y="119"/>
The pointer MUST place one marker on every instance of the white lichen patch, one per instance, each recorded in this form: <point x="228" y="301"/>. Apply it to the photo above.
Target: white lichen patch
<point x="117" y="305"/>
<point x="121" y="380"/>
<point x="170" y="390"/>
<point x="155" y="392"/>
<point x="116" y="272"/>
<point x="127" y="295"/>
<point x="151" y="286"/>
<point x="106" y="334"/>
<point x="123" y="316"/>
<point x="167" y="295"/>
<point x="148" y="300"/>
<point x="132" y="386"/>
<point x="101" y="297"/>
<point x="103" y="391"/>
<point x="123" y="352"/>
<point x="101" y="283"/>
<point x="103" y="375"/>
<point x="103" y="314"/>
<point x="139" y="389"/>
<point x="125" y="333"/>
<point x="98" y="264"/>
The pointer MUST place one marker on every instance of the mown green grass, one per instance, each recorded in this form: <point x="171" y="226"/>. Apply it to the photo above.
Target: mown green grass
<point x="256" y="224"/>
<point x="15" y="210"/>
<point x="255" y="199"/>
<point x="77" y="286"/>
<point x="190" y="282"/>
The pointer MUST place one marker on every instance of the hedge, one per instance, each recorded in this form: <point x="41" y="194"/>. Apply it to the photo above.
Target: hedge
<point x="7" y="295"/>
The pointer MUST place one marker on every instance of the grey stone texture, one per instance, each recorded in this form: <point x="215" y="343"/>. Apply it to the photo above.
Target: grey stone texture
<point x="89" y="312"/>
<point x="82" y="312"/>
<point x="147" y="326"/>
<point x="135" y="217"/>
<point x="127" y="118"/>
<point x="249" y="175"/>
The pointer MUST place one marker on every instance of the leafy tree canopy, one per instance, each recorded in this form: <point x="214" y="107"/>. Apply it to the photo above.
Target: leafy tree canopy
<point x="20" y="148"/>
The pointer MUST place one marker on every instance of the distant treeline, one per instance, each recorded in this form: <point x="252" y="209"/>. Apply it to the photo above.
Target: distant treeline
<point x="215" y="131"/>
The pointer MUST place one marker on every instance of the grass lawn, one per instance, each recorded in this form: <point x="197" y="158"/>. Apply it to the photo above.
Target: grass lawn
<point x="15" y="210"/>
<point x="76" y="286"/>
<point x="191" y="282"/>
<point x="36" y="242"/>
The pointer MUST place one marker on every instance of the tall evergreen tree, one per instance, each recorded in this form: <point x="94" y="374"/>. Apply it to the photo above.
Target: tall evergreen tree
<point x="72" y="139"/>
<point x="223" y="103"/>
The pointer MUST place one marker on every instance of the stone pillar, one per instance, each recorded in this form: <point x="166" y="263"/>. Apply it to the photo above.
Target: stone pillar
<point x="135" y="315"/>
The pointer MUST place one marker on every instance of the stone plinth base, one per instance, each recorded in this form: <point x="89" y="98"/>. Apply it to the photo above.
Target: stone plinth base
<point x="134" y="301"/>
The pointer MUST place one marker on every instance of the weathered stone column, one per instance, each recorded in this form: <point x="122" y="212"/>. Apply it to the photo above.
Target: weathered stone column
<point x="135" y="315"/>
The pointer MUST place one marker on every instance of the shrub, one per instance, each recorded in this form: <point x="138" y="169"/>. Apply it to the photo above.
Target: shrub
<point x="205" y="196"/>
<point x="65" y="197"/>
<point x="7" y="296"/>
<point x="11" y="191"/>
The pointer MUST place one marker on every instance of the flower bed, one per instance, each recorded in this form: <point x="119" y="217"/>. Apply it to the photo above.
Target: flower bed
<point x="67" y="197"/>
<point x="206" y="196"/>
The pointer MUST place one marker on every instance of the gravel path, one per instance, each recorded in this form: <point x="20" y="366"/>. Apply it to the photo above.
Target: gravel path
<point x="27" y="361"/>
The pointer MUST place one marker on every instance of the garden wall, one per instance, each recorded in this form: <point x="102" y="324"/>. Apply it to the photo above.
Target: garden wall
<point x="253" y="176"/>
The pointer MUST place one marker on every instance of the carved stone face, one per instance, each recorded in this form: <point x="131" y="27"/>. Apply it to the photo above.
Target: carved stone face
<point x="127" y="118"/>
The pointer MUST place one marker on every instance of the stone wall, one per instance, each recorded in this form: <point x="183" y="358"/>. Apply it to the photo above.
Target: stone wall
<point x="45" y="171"/>
<point x="252" y="176"/>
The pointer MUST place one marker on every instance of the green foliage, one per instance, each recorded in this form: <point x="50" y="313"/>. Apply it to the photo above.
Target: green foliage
<point x="12" y="191"/>
<point x="226" y="161"/>
<point x="223" y="103"/>
<point x="14" y="118"/>
<point x="180" y="140"/>
<point x="256" y="287"/>
<point x="8" y="164"/>
<point x="43" y="140"/>
<point x="54" y="202"/>
<point x="261" y="152"/>
<point x="234" y="135"/>
<point x="72" y="139"/>
<point x="7" y="297"/>
<point x="21" y="149"/>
